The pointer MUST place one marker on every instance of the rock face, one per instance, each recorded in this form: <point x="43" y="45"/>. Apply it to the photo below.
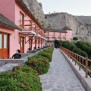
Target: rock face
<point x="84" y="19"/>
<point x="37" y="10"/>
<point x="81" y="26"/>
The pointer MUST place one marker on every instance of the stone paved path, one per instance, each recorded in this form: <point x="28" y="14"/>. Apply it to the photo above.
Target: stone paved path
<point x="60" y="76"/>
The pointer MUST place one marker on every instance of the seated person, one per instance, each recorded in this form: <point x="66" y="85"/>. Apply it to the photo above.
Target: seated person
<point x="34" y="50"/>
<point x="38" y="48"/>
<point x="17" y="55"/>
<point x="29" y="50"/>
<point x="18" y="51"/>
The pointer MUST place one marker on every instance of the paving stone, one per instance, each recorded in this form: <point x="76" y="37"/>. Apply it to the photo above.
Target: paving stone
<point x="60" y="76"/>
<point x="47" y="86"/>
<point x="57" y="90"/>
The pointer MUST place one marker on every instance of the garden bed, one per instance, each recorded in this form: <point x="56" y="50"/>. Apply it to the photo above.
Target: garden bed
<point x="26" y="78"/>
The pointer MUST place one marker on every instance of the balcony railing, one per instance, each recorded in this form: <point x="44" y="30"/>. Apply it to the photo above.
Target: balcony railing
<point x="83" y="62"/>
<point x="29" y="25"/>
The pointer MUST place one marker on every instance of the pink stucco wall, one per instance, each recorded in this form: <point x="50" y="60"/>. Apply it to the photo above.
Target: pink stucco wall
<point x="12" y="43"/>
<point x="59" y="36"/>
<point x="11" y="10"/>
<point x="7" y="8"/>
<point x="26" y="17"/>
<point x="17" y="22"/>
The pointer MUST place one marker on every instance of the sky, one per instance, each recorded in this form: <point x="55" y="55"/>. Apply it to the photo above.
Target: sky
<point x="74" y="7"/>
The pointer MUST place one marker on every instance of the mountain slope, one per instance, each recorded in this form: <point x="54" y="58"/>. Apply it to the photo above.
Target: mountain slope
<point x="36" y="8"/>
<point x="78" y="24"/>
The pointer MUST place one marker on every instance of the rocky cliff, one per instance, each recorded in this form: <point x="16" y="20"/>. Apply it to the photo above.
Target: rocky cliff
<point x="36" y="8"/>
<point x="80" y="25"/>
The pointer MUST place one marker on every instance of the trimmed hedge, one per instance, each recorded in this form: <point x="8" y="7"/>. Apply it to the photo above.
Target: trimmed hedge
<point x="40" y="62"/>
<point x="85" y="46"/>
<point x="26" y="78"/>
<point x="74" y="48"/>
<point x="22" y="79"/>
<point x="75" y="38"/>
<point x="57" y="43"/>
<point x="48" y="55"/>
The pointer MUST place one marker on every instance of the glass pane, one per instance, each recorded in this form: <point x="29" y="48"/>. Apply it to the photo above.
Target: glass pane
<point x="5" y="41"/>
<point x="21" y="42"/>
<point x="21" y="19"/>
<point x="0" y="41"/>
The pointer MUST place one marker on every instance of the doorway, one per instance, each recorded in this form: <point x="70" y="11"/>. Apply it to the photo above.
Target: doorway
<point x="4" y="45"/>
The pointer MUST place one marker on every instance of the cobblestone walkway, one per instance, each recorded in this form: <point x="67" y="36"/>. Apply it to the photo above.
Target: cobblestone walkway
<point x="60" y="76"/>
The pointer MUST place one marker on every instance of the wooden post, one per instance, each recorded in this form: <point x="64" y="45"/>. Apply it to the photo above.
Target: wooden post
<point x="68" y="52"/>
<point x="80" y="62"/>
<point x="86" y="64"/>
<point x="75" y="59"/>
<point x="31" y="43"/>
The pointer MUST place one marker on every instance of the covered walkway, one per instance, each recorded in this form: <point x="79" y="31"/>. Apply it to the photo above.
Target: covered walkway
<point x="60" y="76"/>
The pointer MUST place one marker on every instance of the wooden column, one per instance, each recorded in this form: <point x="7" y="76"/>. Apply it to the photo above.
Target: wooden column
<point x="35" y="42"/>
<point x="41" y="43"/>
<point x="38" y="42"/>
<point x="31" y="43"/>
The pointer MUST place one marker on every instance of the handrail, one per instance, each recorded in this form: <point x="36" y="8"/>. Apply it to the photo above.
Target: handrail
<point x="80" y="60"/>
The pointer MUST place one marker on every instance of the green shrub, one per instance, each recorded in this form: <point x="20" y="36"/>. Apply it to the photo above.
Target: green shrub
<point x="80" y="52"/>
<point x="48" y="55"/>
<point x="22" y="79"/>
<point x="49" y="49"/>
<point x="38" y="63"/>
<point x="85" y="46"/>
<point x="26" y="78"/>
<point x="74" y="48"/>
<point x="57" y="43"/>
<point x="75" y="38"/>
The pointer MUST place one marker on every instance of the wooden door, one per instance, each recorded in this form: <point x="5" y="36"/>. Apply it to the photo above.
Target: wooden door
<point x="4" y="45"/>
<point x="22" y="44"/>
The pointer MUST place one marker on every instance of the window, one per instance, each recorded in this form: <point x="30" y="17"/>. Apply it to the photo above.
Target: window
<point x="5" y="41"/>
<point x="0" y="41"/>
<point x="21" y="20"/>
<point x="54" y="34"/>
